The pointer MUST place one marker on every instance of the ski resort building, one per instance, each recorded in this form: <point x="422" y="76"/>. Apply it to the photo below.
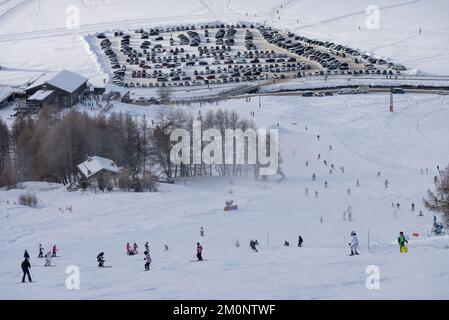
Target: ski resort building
<point x="96" y="166"/>
<point x="63" y="89"/>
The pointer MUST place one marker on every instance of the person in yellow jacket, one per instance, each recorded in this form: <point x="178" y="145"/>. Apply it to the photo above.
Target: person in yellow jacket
<point x="402" y="243"/>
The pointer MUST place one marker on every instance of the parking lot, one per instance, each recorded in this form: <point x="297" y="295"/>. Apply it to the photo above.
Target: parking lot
<point x="220" y="54"/>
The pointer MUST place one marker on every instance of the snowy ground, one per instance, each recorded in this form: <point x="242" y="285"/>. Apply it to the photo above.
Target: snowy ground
<point x="365" y="138"/>
<point x="34" y="38"/>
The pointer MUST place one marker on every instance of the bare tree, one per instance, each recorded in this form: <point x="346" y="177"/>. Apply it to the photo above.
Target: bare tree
<point x="438" y="200"/>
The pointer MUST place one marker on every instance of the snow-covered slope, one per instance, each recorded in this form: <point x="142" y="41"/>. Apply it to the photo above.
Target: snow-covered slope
<point x="34" y="38"/>
<point x="365" y="139"/>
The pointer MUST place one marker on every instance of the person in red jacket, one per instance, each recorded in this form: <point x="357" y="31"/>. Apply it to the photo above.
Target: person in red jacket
<point x="199" y="251"/>
<point x="53" y="251"/>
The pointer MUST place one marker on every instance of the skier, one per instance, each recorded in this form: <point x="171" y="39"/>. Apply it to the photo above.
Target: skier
<point x="252" y="245"/>
<point x="313" y="176"/>
<point x="354" y="244"/>
<point x="286" y="243"/>
<point x="128" y="249"/>
<point x="147" y="246"/>
<point x="325" y="184"/>
<point x="402" y="241"/>
<point x="413" y="206"/>
<point x="386" y="183"/>
<point x="300" y="241"/>
<point x="53" y="254"/>
<point x="237" y="244"/>
<point x="41" y="251"/>
<point x="165" y="247"/>
<point x="26" y="266"/>
<point x="147" y="260"/>
<point x="100" y="259"/>
<point x="26" y="255"/>
<point x="135" y="247"/>
<point x="48" y="259"/>
<point x="202" y="231"/>
<point x="199" y="251"/>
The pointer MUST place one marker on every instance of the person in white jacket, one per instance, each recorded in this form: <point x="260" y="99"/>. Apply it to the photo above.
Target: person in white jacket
<point x="147" y="260"/>
<point x="48" y="259"/>
<point x="354" y="244"/>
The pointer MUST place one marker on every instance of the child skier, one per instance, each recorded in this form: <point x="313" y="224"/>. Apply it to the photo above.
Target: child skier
<point x="402" y="241"/>
<point x="48" y="259"/>
<point x="252" y="245"/>
<point x="100" y="259"/>
<point x="199" y="251"/>
<point x="54" y="251"/>
<point x="147" y="260"/>
<point x="41" y="251"/>
<point x="354" y="244"/>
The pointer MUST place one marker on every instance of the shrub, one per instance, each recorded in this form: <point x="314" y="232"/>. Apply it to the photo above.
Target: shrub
<point x="28" y="199"/>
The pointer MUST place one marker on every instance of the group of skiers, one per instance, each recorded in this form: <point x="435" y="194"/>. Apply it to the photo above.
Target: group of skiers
<point x="26" y="266"/>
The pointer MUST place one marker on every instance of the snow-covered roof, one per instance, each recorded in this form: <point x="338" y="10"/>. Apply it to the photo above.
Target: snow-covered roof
<point x="110" y="87"/>
<point x="41" y="95"/>
<point x="64" y="80"/>
<point x="95" y="164"/>
<point x="5" y="92"/>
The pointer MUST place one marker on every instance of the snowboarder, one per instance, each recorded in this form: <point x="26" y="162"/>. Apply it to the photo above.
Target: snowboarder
<point x="26" y="266"/>
<point x="48" y="259"/>
<point x="100" y="259"/>
<point x="147" y="260"/>
<point x="202" y="231"/>
<point x="300" y="241"/>
<point x="199" y="251"/>
<point x="237" y="244"/>
<point x="41" y="251"/>
<point x="135" y="247"/>
<point x="26" y="255"/>
<point x="53" y="254"/>
<point x="354" y="244"/>
<point x="286" y="243"/>
<point x="402" y="241"/>
<point x="252" y="245"/>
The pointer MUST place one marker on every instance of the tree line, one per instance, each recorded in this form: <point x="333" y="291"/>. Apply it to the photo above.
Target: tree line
<point x="49" y="146"/>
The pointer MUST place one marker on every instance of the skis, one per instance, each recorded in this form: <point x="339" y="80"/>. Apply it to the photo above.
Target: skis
<point x="198" y="260"/>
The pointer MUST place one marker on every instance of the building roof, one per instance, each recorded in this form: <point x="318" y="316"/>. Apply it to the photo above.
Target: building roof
<point x="95" y="164"/>
<point x="110" y="87"/>
<point x="64" y="80"/>
<point x="5" y="93"/>
<point x="41" y="95"/>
